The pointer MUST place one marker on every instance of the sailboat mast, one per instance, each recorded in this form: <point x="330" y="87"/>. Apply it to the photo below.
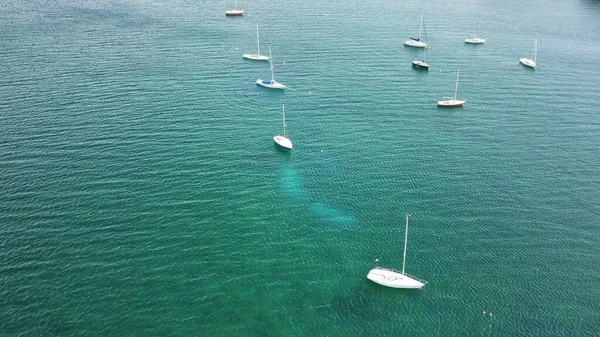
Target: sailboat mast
<point x="283" y="105"/>
<point x="257" y="43"/>
<point x="271" y="64"/>
<point x="535" y="52"/>
<point x="420" y="27"/>
<point x="456" y="87"/>
<point x="405" y="244"/>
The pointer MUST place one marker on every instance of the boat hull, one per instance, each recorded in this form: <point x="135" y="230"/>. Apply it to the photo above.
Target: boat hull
<point x="420" y="64"/>
<point x="416" y="44"/>
<point x="475" y="40"/>
<point x="270" y="84"/>
<point x="283" y="143"/>
<point x="527" y="62"/>
<point x="451" y="103"/>
<point x="256" y="57"/>
<point x="235" y="12"/>
<point x="393" y="279"/>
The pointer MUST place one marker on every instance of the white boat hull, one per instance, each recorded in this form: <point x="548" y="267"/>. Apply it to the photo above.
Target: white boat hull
<point x="475" y="40"/>
<point x="393" y="279"/>
<point x="256" y="57"/>
<point x="527" y="62"/>
<point x="234" y="12"/>
<point x="451" y="103"/>
<point x="270" y="84"/>
<point x="417" y="44"/>
<point x="283" y="142"/>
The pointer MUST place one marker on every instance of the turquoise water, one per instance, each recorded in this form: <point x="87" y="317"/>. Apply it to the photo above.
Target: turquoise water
<point x="142" y="193"/>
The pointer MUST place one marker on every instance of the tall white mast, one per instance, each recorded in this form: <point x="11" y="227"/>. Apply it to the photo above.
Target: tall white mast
<point x="456" y="88"/>
<point x="405" y="243"/>
<point x="535" y="52"/>
<point x="420" y="27"/>
<point x="271" y="63"/>
<point x="283" y="105"/>
<point x="257" y="43"/>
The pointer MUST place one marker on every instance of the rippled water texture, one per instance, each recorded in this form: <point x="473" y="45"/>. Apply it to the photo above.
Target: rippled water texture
<point x="142" y="193"/>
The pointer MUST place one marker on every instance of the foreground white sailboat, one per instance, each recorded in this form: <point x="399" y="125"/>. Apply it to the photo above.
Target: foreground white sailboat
<point x="395" y="279"/>
<point x="257" y="56"/>
<point x="416" y="41"/>
<point x="529" y="62"/>
<point x="452" y="102"/>
<point x="234" y="12"/>
<point x="475" y="39"/>
<point x="272" y="84"/>
<point x="282" y="141"/>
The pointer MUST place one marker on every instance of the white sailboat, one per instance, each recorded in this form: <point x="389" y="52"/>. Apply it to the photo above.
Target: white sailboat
<point x="452" y="102"/>
<point x="234" y="12"/>
<point x="272" y="84"/>
<point x="395" y="279"/>
<point x="476" y="39"/>
<point x="282" y="141"/>
<point x="421" y="64"/>
<point x="257" y="56"/>
<point x="416" y="41"/>
<point x="529" y="62"/>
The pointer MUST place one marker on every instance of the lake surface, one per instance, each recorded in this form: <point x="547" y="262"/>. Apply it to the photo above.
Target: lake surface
<point x="142" y="194"/>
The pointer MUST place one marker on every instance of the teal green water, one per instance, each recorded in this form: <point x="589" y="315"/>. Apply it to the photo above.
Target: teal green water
<point x="142" y="194"/>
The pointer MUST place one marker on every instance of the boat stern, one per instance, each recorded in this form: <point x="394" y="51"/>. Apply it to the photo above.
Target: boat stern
<point x="283" y="142"/>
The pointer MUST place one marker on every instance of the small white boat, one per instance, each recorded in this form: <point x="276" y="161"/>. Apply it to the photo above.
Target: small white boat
<point x="452" y="102"/>
<point x="529" y="62"/>
<point x="272" y="84"/>
<point x="395" y="279"/>
<point x="282" y="141"/>
<point x="416" y="41"/>
<point x="234" y="12"/>
<point x="257" y="56"/>
<point x="475" y="39"/>
<point x="421" y="64"/>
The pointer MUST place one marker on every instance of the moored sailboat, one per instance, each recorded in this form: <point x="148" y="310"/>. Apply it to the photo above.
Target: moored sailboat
<point x="272" y="84"/>
<point x="416" y="41"/>
<point x="421" y="64"/>
<point x="257" y="56"/>
<point x="452" y="102"/>
<point x="476" y="39"/>
<point x="529" y="62"/>
<point x="282" y="141"/>
<point x="395" y="279"/>
<point x="234" y="12"/>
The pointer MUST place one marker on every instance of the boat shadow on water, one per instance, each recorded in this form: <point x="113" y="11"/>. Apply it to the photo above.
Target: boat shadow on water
<point x="420" y="69"/>
<point x="393" y="292"/>
<point x="282" y="152"/>
<point x="269" y="91"/>
<point x="368" y="301"/>
<point x="450" y="107"/>
<point x="527" y="67"/>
